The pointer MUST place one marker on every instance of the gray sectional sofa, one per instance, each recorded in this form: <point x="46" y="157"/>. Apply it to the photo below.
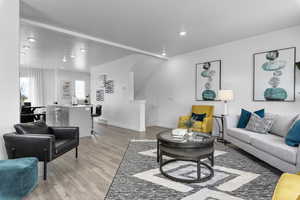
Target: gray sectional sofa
<point x="271" y="147"/>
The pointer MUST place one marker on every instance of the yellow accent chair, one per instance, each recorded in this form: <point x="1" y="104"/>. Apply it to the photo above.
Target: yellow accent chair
<point x="206" y="125"/>
<point x="288" y="187"/>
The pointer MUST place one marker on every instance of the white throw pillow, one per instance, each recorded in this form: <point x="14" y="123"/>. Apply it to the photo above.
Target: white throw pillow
<point x="260" y="125"/>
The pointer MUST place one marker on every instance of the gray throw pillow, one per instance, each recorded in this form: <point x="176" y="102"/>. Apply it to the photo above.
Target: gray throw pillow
<point x="258" y="124"/>
<point x="282" y="124"/>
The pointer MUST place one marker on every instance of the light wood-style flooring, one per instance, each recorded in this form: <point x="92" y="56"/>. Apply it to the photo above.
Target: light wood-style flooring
<point x="88" y="177"/>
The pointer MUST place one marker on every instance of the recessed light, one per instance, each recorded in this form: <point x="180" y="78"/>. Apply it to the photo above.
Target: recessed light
<point x="26" y="47"/>
<point x="182" y="33"/>
<point x="72" y="56"/>
<point x="31" y="39"/>
<point x="64" y="59"/>
<point x="164" y="54"/>
<point x="83" y="50"/>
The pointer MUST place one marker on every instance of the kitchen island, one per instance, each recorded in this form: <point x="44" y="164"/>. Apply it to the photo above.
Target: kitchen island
<point x="69" y="115"/>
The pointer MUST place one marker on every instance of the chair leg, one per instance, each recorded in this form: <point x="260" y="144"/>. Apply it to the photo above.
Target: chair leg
<point x="198" y="169"/>
<point x="92" y="131"/>
<point x="76" y="152"/>
<point x="13" y="153"/>
<point x="45" y="170"/>
<point x="45" y="163"/>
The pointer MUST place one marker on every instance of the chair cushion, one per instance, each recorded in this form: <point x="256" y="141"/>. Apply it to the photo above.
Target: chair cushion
<point x="245" y="116"/>
<point x="32" y="128"/>
<point x="275" y="146"/>
<point x="282" y="124"/>
<point x="64" y="145"/>
<point x="287" y="187"/>
<point x="241" y="134"/>
<point x="293" y="136"/>
<point x="198" y="126"/>
<point x="18" y="177"/>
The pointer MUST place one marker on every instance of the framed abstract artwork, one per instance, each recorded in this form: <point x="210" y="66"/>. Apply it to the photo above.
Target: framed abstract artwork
<point x="208" y="80"/>
<point x="66" y="89"/>
<point x="274" y="75"/>
<point x="100" y="95"/>
<point x="109" y="86"/>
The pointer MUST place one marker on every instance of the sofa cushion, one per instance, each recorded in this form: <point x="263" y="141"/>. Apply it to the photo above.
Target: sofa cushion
<point x="282" y="124"/>
<point x="241" y="134"/>
<point x="275" y="146"/>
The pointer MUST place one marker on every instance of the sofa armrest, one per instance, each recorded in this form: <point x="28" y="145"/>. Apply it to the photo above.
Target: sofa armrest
<point x="65" y="132"/>
<point x="207" y="124"/>
<point x="29" y="145"/>
<point x="231" y="121"/>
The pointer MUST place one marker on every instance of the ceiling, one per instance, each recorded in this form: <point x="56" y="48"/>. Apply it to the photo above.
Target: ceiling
<point x="153" y="25"/>
<point x="51" y="47"/>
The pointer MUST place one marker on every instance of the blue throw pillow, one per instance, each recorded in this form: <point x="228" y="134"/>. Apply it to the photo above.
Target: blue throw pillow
<point x="245" y="116"/>
<point x="293" y="136"/>
<point x="198" y="117"/>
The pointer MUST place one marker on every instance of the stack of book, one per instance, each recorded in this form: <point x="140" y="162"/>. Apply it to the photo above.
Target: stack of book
<point x="179" y="132"/>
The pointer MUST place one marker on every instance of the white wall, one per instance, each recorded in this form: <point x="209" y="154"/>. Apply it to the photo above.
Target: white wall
<point x="64" y="75"/>
<point x="171" y="90"/>
<point x="9" y="72"/>
<point x="128" y="76"/>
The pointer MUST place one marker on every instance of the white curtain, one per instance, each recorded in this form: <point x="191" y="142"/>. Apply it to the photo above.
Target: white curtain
<point x="35" y="80"/>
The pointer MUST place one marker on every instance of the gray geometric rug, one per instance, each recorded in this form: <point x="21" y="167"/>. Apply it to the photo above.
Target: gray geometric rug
<point x="238" y="176"/>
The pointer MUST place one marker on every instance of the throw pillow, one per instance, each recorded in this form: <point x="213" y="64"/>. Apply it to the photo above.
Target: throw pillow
<point x="198" y="117"/>
<point x="245" y="116"/>
<point x="258" y="124"/>
<point x="283" y="123"/>
<point x="293" y="136"/>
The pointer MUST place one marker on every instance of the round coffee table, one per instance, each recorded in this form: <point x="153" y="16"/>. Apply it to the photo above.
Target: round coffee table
<point x="194" y="148"/>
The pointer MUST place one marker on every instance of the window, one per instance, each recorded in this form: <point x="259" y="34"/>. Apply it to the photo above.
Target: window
<point x="80" y="89"/>
<point x="24" y="89"/>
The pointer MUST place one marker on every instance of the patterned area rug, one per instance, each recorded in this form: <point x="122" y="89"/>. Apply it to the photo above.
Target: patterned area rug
<point x="238" y="176"/>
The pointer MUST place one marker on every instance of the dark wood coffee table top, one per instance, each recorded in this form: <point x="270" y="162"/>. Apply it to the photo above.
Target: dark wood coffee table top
<point x="197" y="140"/>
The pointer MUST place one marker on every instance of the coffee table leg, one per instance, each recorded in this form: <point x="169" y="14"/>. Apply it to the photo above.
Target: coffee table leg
<point x="157" y="149"/>
<point x="199" y="170"/>
<point x="160" y="159"/>
<point x="212" y="159"/>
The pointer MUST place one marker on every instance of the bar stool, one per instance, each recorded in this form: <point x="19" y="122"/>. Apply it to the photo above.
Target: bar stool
<point x="98" y="113"/>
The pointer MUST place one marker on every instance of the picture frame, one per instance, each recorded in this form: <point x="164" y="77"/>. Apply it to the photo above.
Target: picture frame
<point x="208" y="80"/>
<point x="274" y="75"/>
